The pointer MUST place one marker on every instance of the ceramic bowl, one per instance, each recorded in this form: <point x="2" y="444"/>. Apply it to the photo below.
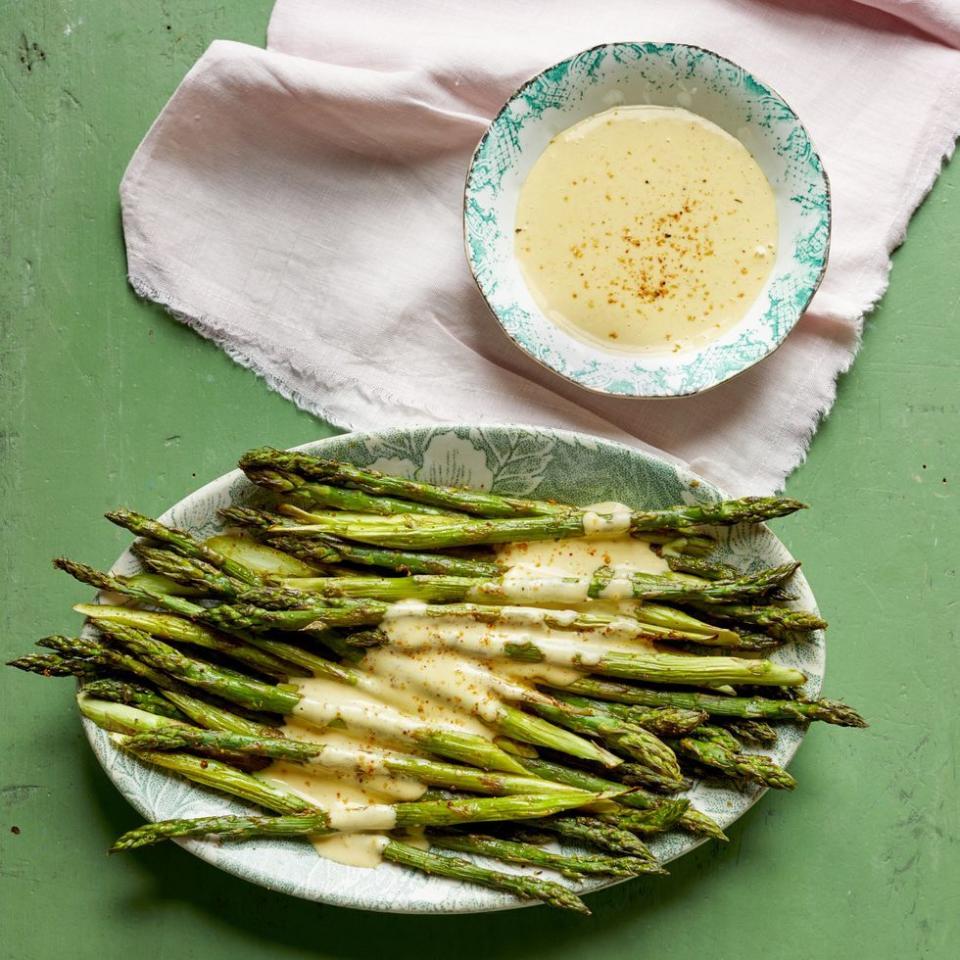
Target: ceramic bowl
<point x="664" y="74"/>
<point x="519" y="461"/>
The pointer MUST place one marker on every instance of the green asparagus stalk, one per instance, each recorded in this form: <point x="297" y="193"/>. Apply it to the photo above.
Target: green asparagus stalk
<point x="379" y="484"/>
<point x="652" y="667"/>
<point x="182" y="543"/>
<point x="646" y="586"/>
<point x="183" y="631"/>
<point x="286" y="699"/>
<point x="649" y="823"/>
<point x="701" y="567"/>
<point x="122" y="718"/>
<point x="299" y="751"/>
<point x="159" y="584"/>
<point x="693" y="821"/>
<point x="227" y="779"/>
<point x="264" y="559"/>
<point x="754" y="767"/>
<point x="623" y="737"/>
<point x="92" y="658"/>
<point x="513" y="723"/>
<point x="592" y="830"/>
<point x="684" y="625"/>
<point x="202" y="712"/>
<point x="317" y="823"/>
<point x="760" y="708"/>
<point x="305" y="493"/>
<point x="99" y="657"/>
<point x="325" y="550"/>
<point x="574" y="866"/>
<point x="780" y="622"/>
<point x="54" y="665"/>
<point x="456" y="868"/>
<point x="757" y="732"/>
<point x="719" y="736"/>
<point x="528" y="729"/>
<point x="133" y="695"/>
<point x="637" y="775"/>
<point x="548" y="590"/>
<point x="661" y="721"/>
<point x="412" y="531"/>
<point x="278" y="649"/>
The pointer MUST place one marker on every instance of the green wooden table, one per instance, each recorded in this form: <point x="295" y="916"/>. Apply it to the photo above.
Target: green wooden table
<point x="105" y="401"/>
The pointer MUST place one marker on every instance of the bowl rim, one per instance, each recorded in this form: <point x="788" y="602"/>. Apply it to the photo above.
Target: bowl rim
<point x="661" y="44"/>
<point x="209" y="850"/>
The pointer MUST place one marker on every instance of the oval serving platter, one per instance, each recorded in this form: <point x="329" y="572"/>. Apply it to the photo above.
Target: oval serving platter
<point x="663" y="74"/>
<point x="520" y="461"/>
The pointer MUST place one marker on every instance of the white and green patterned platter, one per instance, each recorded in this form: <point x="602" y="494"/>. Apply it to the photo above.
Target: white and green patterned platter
<point x="520" y="461"/>
<point x="663" y="74"/>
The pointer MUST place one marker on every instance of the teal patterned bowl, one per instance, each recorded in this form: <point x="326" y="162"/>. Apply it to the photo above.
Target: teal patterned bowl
<point x="519" y="461"/>
<point x="663" y="74"/>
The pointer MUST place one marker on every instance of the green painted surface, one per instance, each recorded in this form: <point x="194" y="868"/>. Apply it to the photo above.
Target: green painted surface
<point x="104" y="401"/>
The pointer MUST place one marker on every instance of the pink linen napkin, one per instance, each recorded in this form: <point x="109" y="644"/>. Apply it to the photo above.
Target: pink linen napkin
<point x="300" y="205"/>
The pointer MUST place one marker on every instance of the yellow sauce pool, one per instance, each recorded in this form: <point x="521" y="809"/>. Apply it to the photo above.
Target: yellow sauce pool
<point x="646" y="229"/>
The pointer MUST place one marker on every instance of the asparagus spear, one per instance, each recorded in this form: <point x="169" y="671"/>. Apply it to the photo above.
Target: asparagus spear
<point x="299" y="751"/>
<point x="456" y="868"/>
<point x="181" y="542"/>
<point x="684" y="625"/>
<point x="662" y="721"/>
<point x="829" y="711"/>
<point x="344" y="612"/>
<point x="603" y="584"/>
<point x="379" y="484"/>
<point x="305" y="493"/>
<point x="590" y="830"/>
<point x="648" y="823"/>
<point x="264" y="559"/>
<point x="701" y="567"/>
<point x="528" y="729"/>
<point x="286" y="699"/>
<point x="752" y="731"/>
<point x="91" y="658"/>
<point x="329" y="550"/>
<point x="227" y="779"/>
<point x="623" y="737"/>
<point x="652" y="667"/>
<point x="122" y="718"/>
<point x="98" y="656"/>
<point x="159" y="584"/>
<point x="637" y="775"/>
<point x="276" y="648"/>
<point x="316" y="822"/>
<point x="413" y="531"/>
<point x="512" y="722"/>
<point x="753" y="767"/>
<point x="183" y="631"/>
<point x="133" y="695"/>
<point x="717" y="735"/>
<point x="574" y="866"/>
<point x="171" y="627"/>
<point x="780" y="622"/>
<point x="691" y="820"/>
<point x="53" y="665"/>
<point x="649" y="666"/>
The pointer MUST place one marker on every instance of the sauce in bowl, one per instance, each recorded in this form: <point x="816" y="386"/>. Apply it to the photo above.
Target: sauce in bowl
<point x="646" y="229"/>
